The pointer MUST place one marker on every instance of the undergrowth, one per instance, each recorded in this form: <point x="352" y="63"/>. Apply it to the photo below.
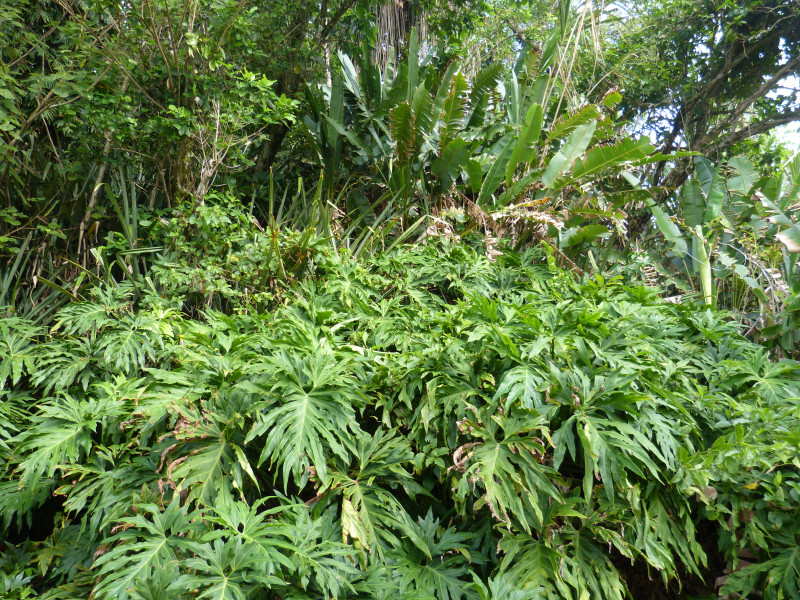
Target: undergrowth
<point x="423" y="424"/>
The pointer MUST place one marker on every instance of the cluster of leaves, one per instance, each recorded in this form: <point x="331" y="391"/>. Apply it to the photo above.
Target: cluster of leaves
<point x="738" y="241"/>
<point x="702" y="75"/>
<point x="220" y="256"/>
<point x="423" y="424"/>
<point x="107" y="98"/>
<point x="421" y="137"/>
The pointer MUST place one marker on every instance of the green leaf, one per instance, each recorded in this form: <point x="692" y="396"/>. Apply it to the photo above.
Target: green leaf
<point x="589" y="233"/>
<point x="358" y="143"/>
<point x="448" y="166"/>
<point x="693" y="204"/>
<point x="780" y="574"/>
<point x="441" y="93"/>
<point x="334" y="138"/>
<point x="482" y="82"/>
<point x="443" y="574"/>
<point x="225" y="571"/>
<point x="475" y="174"/>
<point x="205" y="470"/>
<point x="520" y="384"/>
<point x="60" y="433"/>
<point x="17" y="350"/>
<point x="454" y="110"/>
<point x="413" y="64"/>
<point x="265" y="536"/>
<point x="574" y="147"/>
<point x="403" y="132"/>
<point x="569" y="123"/>
<point x="497" y="170"/>
<point x="530" y="562"/>
<point x="314" y="415"/>
<point x="746" y="176"/>
<point x="151" y="539"/>
<point x="602" y="158"/>
<point x="668" y="228"/>
<point x="712" y="182"/>
<point x="526" y="142"/>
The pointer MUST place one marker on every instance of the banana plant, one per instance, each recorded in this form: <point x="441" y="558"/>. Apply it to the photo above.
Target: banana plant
<point x="710" y="203"/>
<point x="778" y="212"/>
<point x="728" y="215"/>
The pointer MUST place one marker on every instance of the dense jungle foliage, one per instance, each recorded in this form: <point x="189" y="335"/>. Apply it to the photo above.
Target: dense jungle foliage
<point x="423" y="424"/>
<point x="494" y="299"/>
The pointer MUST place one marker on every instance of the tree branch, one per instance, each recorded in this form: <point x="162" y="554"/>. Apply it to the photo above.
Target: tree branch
<point x="737" y="113"/>
<point x="757" y="129"/>
<point x="335" y="18"/>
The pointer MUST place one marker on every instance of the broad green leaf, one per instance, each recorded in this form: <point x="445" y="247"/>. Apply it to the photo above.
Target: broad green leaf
<point x="574" y="147"/>
<point x="448" y="166"/>
<point x="403" y="132"/>
<point x="588" y="233"/>
<point x="520" y="384"/>
<point x="413" y="65"/>
<point x="334" y="137"/>
<point x="497" y="170"/>
<point x="454" y="110"/>
<point x="357" y="142"/>
<point x="611" y="99"/>
<point x="603" y="157"/>
<point x="151" y="539"/>
<point x="716" y="196"/>
<point x="206" y="471"/>
<point x="350" y="76"/>
<point x="443" y="92"/>
<point x="422" y="108"/>
<point x="712" y="182"/>
<point x="475" y="174"/>
<point x="526" y="142"/>
<point x="668" y="228"/>
<point x="315" y="412"/>
<point x="693" y="204"/>
<point x="482" y="82"/>
<point x="703" y="261"/>
<point x="745" y="178"/>
<point x="225" y="571"/>
<point x="705" y="172"/>
<point x="530" y="561"/>
<point x="17" y="352"/>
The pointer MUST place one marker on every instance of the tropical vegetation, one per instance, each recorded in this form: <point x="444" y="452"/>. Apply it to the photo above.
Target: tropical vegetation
<point x="433" y="301"/>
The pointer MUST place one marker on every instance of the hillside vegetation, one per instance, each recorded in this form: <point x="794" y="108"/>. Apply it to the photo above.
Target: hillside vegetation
<point x="399" y="300"/>
<point x="423" y="424"/>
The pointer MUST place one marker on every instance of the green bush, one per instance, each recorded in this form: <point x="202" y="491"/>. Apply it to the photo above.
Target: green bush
<point x="423" y="424"/>
<point x="220" y="256"/>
